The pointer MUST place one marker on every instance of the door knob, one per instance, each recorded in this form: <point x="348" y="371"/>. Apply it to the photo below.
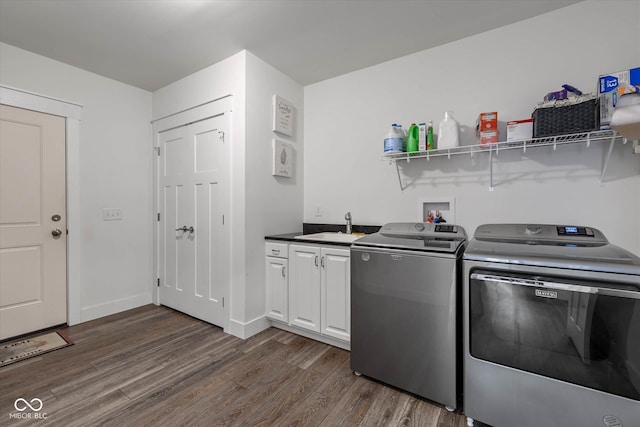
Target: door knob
<point x="184" y="229"/>
<point x="191" y="229"/>
<point x="56" y="232"/>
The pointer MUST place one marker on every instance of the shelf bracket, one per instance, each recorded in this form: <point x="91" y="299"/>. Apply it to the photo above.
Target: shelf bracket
<point x="399" y="176"/>
<point x="490" y="169"/>
<point x="606" y="161"/>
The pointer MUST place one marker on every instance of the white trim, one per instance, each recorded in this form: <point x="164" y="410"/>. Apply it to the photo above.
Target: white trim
<point x="194" y="114"/>
<point x="248" y="329"/>
<point x="72" y="112"/>
<point x="42" y="103"/>
<point x="345" y="345"/>
<point x="105" y="309"/>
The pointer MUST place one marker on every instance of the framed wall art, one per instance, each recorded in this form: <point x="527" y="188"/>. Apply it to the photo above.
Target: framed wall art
<point x="282" y="159"/>
<point x="282" y="116"/>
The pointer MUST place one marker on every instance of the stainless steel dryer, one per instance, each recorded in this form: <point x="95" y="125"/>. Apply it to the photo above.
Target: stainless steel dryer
<point x="406" y="308"/>
<point x="551" y="328"/>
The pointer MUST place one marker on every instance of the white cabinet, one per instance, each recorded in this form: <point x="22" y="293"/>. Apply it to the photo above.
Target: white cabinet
<point x="277" y="281"/>
<point x="304" y="289"/>
<point x="335" y="286"/>
<point x="319" y="289"/>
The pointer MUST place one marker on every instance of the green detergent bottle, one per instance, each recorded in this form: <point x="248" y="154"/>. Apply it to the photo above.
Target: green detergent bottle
<point x="412" y="138"/>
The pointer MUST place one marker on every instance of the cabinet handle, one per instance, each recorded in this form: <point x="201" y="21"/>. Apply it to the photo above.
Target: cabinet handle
<point x="322" y="262"/>
<point x="275" y="251"/>
<point x="316" y="260"/>
<point x="283" y="268"/>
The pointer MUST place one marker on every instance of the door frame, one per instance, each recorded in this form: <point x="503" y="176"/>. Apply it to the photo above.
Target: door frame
<point x="72" y="112"/>
<point x="197" y="113"/>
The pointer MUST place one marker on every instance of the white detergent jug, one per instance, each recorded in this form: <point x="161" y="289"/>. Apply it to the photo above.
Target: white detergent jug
<point x="448" y="132"/>
<point x="394" y="142"/>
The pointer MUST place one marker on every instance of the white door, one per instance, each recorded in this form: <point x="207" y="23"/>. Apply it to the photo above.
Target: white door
<point x="193" y="197"/>
<point x="336" y="292"/>
<point x="277" y="289"/>
<point x="304" y="287"/>
<point x="33" y="226"/>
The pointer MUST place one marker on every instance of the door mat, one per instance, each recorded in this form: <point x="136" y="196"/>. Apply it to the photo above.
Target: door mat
<point x="32" y="346"/>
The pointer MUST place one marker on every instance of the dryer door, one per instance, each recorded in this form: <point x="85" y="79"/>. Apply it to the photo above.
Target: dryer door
<point x="582" y="332"/>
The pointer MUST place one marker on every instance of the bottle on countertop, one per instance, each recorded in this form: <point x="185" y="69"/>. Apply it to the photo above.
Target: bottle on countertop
<point x="448" y="132"/>
<point x="394" y="141"/>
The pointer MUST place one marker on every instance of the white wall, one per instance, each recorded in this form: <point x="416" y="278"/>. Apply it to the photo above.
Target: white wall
<point x="214" y="82"/>
<point x="273" y="204"/>
<point x="507" y="70"/>
<point x="114" y="170"/>
<point x="260" y="203"/>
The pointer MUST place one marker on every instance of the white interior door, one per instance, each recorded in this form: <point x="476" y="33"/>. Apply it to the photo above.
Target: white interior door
<point x="193" y="197"/>
<point x="33" y="226"/>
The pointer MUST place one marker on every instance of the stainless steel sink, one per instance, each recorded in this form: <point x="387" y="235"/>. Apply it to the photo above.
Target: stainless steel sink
<point x="330" y="237"/>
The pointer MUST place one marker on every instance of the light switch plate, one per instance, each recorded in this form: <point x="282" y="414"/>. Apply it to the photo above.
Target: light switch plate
<point x="111" y="214"/>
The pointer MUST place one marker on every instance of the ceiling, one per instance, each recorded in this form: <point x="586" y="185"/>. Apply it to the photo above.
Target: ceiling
<point x="151" y="43"/>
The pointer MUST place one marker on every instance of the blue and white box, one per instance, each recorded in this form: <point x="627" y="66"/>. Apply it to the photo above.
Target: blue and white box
<point x="611" y="87"/>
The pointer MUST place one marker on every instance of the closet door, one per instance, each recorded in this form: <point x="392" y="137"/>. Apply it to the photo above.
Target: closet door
<point x="194" y="250"/>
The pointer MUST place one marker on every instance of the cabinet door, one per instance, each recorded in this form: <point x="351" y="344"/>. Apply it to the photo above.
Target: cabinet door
<point x="304" y="287"/>
<point x="277" y="289"/>
<point x="336" y="293"/>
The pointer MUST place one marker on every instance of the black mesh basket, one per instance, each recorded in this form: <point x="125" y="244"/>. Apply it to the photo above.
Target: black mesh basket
<point x="561" y="120"/>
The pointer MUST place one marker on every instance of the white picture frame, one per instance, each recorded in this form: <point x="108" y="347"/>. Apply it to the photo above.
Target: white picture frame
<point x="282" y="159"/>
<point x="283" y="116"/>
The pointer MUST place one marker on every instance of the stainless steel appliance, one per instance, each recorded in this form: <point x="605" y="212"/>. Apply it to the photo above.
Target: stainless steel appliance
<point x="405" y="308"/>
<point x="551" y="328"/>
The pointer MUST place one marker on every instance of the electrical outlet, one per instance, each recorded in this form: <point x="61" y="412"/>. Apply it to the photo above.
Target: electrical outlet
<point x="111" y="214"/>
<point x="317" y="211"/>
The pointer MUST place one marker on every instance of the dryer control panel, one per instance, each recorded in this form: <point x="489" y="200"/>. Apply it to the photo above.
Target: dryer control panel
<point x="550" y="234"/>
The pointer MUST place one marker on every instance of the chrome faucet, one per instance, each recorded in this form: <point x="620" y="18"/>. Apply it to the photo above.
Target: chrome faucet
<point x="348" y="218"/>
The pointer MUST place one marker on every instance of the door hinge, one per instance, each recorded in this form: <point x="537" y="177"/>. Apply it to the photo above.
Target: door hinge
<point x="221" y="135"/>
<point x="156" y="150"/>
<point x="158" y="216"/>
<point x="158" y="282"/>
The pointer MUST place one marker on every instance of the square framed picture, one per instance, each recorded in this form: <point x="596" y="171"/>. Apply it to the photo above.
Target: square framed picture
<point x="283" y="116"/>
<point x="282" y="163"/>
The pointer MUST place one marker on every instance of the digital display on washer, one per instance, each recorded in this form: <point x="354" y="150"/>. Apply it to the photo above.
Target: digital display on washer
<point x="571" y="230"/>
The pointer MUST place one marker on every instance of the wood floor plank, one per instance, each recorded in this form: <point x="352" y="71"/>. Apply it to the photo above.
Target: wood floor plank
<point x="153" y="366"/>
<point x="419" y="413"/>
<point x="387" y="409"/>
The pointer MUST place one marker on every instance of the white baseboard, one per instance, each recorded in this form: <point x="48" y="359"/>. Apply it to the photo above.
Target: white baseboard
<point x="97" y="311"/>
<point x="313" y="335"/>
<point x="247" y="329"/>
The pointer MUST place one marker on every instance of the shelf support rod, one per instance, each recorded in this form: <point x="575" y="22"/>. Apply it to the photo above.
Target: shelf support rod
<point x="490" y="168"/>
<point x="399" y="177"/>
<point x="606" y="161"/>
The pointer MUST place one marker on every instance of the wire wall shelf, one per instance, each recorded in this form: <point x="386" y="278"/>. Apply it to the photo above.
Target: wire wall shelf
<point x="493" y="150"/>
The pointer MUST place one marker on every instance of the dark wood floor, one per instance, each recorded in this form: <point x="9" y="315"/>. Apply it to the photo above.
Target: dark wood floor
<point x="153" y="366"/>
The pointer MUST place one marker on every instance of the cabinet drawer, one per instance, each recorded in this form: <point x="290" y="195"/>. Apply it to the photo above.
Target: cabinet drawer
<point x="278" y="250"/>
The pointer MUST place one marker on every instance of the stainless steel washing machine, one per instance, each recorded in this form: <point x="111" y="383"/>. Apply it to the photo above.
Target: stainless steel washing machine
<point x="406" y="308"/>
<point x="551" y="328"/>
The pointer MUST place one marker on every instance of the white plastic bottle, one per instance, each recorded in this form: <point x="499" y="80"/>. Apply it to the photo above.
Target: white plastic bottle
<point x="394" y="141"/>
<point x="448" y="132"/>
